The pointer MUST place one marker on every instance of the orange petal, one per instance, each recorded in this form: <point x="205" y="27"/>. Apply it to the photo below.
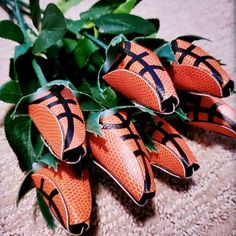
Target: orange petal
<point x="197" y="71"/>
<point x="58" y="107"/>
<point x="121" y="154"/>
<point x="209" y="112"/>
<point x="143" y="65"/>
<point x="67" y="193"/>
<point x="173" y="156"/>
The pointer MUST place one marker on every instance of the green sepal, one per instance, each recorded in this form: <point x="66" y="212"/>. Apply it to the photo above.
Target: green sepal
<point x="92" y="123"/>
<point x="49" y="160"/>
<point x="166" y="53"/>
<point x="191" y="38"/>
<point x="147" y="140"/>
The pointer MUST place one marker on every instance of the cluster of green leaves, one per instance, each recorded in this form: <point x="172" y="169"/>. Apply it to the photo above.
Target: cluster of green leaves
<point x="60" y="51"/>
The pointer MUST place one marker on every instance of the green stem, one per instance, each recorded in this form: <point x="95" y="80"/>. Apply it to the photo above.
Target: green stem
<point x="20" y="20"/>
<point x="95" y="40"/>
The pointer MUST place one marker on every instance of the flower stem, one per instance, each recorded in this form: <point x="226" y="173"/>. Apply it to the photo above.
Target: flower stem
<point x="95" y="40"/>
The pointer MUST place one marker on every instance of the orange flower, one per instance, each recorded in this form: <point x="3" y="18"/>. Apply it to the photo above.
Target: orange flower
<point x="138" y="74"/>
<point x="121" y="153"/>
<point x="57" y="115"/>
<point x="67" y="193"/>
<point x="197" y="71"/>
<point x="174" y="155"/>
<point x="210" y="112"/>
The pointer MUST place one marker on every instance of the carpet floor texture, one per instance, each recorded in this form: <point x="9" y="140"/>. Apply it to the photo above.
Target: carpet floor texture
<point x="204" y="205"/>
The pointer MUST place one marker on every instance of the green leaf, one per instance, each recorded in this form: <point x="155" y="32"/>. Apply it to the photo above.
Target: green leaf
<point x="45" y="210"/>
<point x="65" y="5"/>
<point x="53" y="29"/>
<point x="50" y="161"/>
<point x="10" y="92"/>
<point x="124" y="24"/>
<point x="92" y="123"/>
<point x="100" y="8"/>
<point x="18" y="133"/>
<point x="83" y="51"/>
<point x="191" y="38"/>
<point x="9" y="30"/>
<point x="35" y="13"/>
<point x="69" y="45"/>
<point x="75" y="26"/>
<point x="90" y="105"/>
<point x="108" y="98"/>
<point x="156" y="23"/>
<point x="25" y="187"/>
<point x="165" y="52"/>
<point x="126" y="7"/>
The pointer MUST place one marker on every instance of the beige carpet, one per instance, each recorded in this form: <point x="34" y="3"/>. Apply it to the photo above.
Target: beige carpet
<point x="203" y="206"/>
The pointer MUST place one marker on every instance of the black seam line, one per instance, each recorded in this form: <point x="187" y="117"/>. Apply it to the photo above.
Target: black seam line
<point x="62" y="115"/>
<point x="39" y="100"/>
<point x="139" y="152"/>
<point x="69" y="101"/>
<point x="215" y="73"/>
<point x="154" y="67"/>
<point x="129" y="136"/>
<point x="147" y="180"/>
<point x="159" y="86"/>
<point x="52" y="203"/>
<point x="212" y="111"/>
<point x="167" y="137"/>
<point x="217" y="114"/>
<point x="69" y="115"/>
<point x="202" y="59"/>
<point x="135" y="57"/>
<point x="196" y="100"/>
<point x="185" y="52"/>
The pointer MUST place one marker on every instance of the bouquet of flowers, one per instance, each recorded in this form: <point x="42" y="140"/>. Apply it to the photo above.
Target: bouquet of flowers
<point x="103" y="90"/>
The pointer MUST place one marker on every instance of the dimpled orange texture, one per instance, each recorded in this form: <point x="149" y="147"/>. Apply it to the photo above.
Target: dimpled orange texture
<point x="173" y="156"/>
<point x="139" y="71"/>
<point x="197" y="71"/>
<point x="210" y="112"/>
<point x="146" y="96"/>
<point x="67" y="193"/>
<point x="57" y="107"/>
<point x="121" y="153"/>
